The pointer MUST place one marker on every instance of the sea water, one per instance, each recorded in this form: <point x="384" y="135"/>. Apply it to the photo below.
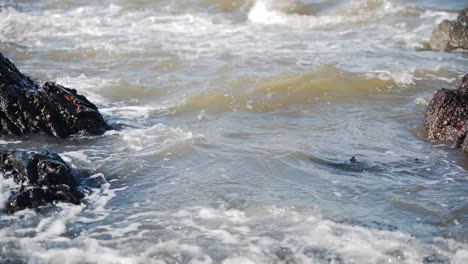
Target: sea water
<point x="234" y="125"/>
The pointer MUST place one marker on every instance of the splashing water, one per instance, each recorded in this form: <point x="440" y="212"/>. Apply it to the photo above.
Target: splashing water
<point x="235" y="126"/>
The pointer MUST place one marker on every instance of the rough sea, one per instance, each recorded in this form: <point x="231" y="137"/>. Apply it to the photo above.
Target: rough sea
<point x="234" y="125"/>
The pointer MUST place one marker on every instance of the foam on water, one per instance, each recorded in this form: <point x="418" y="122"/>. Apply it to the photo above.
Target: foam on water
<point x="70" y="156"/>
<point x="253" y="235"/>
<point x="403" y="78"/>
<point x="89" y="87"/>
<point x="164" y="66"/>
<point x="131" y="112"/>
<point x="6" y="142"/>
<point x="439" y="15"/>
<point x="422" y="101"/>
<point x="6" y="186"/>
<point x="45" y="237"/>
<point x="97" y="199"/>
<point x="155" y="140"/>
<point x="262" y="13"/>
<point x="304" y="237"/>
<point x="114" y="97"/>
<point x="359" y="11"/>
<point x="114" y="32"/>
<point x="83" y="28"/>
<point x="82" y="21"/>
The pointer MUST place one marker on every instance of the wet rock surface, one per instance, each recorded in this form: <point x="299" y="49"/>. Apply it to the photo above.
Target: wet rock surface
<point x="451" y="35"/>
<point x="43" y="178"/>
<point x="447" y="115"/>
<point x="51" y="108"/>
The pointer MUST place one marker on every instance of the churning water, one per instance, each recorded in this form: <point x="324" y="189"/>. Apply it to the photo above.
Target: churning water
<point x="234" y="124"/>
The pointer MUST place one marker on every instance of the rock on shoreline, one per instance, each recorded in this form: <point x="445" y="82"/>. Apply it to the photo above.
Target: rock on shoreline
<point x="43" y="178"/>
<point x="51" y="108"/>
<point x="451" y="35"/>
<point x="447" y="115"/>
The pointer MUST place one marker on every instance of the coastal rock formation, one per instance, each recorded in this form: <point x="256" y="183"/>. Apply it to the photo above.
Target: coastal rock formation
<point x="51" y="108"/>
<point x="447" y="115"/>
<point x="43" y="178"/>
<point x="451" y="35"/>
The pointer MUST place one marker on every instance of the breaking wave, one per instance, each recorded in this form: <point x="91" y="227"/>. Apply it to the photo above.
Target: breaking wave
<point x="293" y="14"/>
<point x="325" y="84"/>
<point x="250" y="235"/>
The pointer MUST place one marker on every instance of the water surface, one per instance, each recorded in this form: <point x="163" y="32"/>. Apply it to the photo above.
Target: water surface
<point x="235" y="125"/>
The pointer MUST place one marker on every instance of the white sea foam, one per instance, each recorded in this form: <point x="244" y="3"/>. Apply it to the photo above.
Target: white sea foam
<point x="82" y="250"/>
<point x="84" y="28"/>
<point x="154" y="140"/>
<point x="5" y="142"/>
<point x="92" y="89"/>
<point x="6" y="186"/>
<point x="98" y="198"/>
<point x="301" y="233"/>
<point x="253" y="235"/>
<point x="131" y="112"/>
<point x="421" y="101"/>
<point x="358" y="11"/>
<point x="264" y="12"/>
<point x="78" y="154"/>
<point x="39" y="24"/>
<point x="258" y="235"/>
<point x="439" y="15"/>
<point x="402" y="78"/>
<point x="31" y="239"/>
<point x="409" y="77"/>
<point x="110" y="35"/>
<point x="113" y="32"/>
<point x="55" y="225"/>
<point x="89" y="87"/>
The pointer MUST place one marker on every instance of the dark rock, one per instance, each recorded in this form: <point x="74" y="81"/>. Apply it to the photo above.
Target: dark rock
<point x="451" y="35"/>
<point x="447" y="115"/>
<point x="44" y="178"/>
<point x="51" y="108"/>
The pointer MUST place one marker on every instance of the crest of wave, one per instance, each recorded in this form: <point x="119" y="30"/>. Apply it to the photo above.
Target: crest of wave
<point x="295" y="14"/>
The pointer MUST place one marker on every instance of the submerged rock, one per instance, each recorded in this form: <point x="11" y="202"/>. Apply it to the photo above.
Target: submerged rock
<point x="451" y="35"/>
<point x="44" y="178"/>
<point x="447" y="115"/>
<point x="51" y="108"/>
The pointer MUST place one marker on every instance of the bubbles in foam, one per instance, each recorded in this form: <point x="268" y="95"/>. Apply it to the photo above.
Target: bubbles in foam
<point x="154" y="140"/>
<point x="262" y="235"/>
<point x="87" y="86"/>
<point x="98" y="198"/>
<point x="439" y="15"/>
<point x="252" y="235"/>
<point x="131" y="112"/>
<point x="402" y="78"/>
<point x="5" y="142"/>
<point x="46" y="237"/>
<point x="421" y="101"/>
<point x="6" y="186"/>
<point x="204" y="234"/>
<point x="90" y="31"/>
<point x="238" y="260"/>
<point x="267" y="12"/>
<point x="78" y="154"/>
<point x="365" y="11"/>
<point x="55" y="225"/>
